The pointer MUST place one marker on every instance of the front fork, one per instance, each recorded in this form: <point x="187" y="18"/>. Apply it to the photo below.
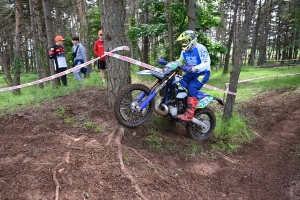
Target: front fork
<point x="152" y="95"/>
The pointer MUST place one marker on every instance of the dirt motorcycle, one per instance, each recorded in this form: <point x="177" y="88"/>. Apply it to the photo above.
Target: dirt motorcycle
<point x="135" y="103"/>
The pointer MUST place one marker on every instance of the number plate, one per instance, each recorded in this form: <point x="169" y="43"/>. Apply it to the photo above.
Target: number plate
<point x="204" y="102"/>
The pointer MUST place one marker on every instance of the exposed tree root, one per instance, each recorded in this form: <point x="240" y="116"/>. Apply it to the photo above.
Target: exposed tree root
<point x="120" y="155"/>
<point x="57" y="186"/>
<point x="55" y="134"/>
<point x="155" y="170"/>
<point x="68" y="157"/>
<point x="111" y="136"/>
<point x="229" y="159"/>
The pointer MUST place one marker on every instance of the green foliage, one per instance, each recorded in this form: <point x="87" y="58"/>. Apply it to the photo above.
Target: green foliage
<point x="60" y="111"/>
<point x="17" y="65"/>
<point x="94" y="25"/>
<point x="89" y="125"/>
<point x="193" y="148"/>
<point x="170" y="145"/>
<point x="125" y="160"/>
<point x="157" y="26"/>
<point x="145" y="30"/>
<point x="69" y="120"/>
<point x="97" y="129"/>
<point x="68" y="51"/>
<point x="159" y="121"/>
<point x="229" y="135"/>
<point x="154" y="142"/>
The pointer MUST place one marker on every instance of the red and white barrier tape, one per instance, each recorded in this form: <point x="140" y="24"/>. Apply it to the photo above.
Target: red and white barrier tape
<point x="49" y="78"/>
<point x="124" y="58"/>
<point x="218" y="89"/>
<point x="136" y="62"/>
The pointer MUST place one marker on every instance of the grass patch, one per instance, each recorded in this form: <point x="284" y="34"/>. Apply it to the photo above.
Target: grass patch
<point x="32" y="95"/>
<point x="60" y="111"/>
<point x="192" y="148"/>
<point x="250" y="89"/>
<point x="69" y="120"/>
<point x="232" y="134"/>
<point x="88" y="125"/>
<point x="125" y="160"/>
<point x="92" y="126"/>
<point x="154" y="142"/>
<point x="97" y="129"/>
<point x="159" y="121"/>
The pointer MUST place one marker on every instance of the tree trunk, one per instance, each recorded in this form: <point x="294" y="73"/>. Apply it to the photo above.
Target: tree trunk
<point x="26" y="58"/>
<point x="36" y="42"/>
<point x="5" y="58"/>
<point x="254" y="37"/>
<point x="18" y="49"/>
<point x="278" y="48"/>
<point x="192" y="15"/>
<point x="38" y="9"/>
<point x="168" y="18"/>
<point x="265" y="32"/>
<point x="146" y="38"/>
<point x="231" y="33"/>
<point x="84" y="37"/>
<point x="133" y="23"/>
<point x="50" y="36"/>
<point x="113" y="20"/>
<point x="296" y="47"/>
<point x="241" y="44"/>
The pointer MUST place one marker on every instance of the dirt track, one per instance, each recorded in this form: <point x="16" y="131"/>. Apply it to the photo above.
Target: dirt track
<point x="43" y="155"/>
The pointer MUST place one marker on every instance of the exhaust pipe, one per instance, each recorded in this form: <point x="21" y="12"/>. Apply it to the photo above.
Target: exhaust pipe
<point x="161" y="108"/>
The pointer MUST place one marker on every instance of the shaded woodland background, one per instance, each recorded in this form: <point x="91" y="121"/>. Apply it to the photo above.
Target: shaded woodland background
<point x="236" y="32"/>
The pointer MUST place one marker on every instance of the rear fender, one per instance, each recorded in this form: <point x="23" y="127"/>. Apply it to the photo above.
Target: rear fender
<point x="220" y="101"/>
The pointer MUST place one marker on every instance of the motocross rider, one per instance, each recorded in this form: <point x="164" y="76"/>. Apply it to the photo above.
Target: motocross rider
<point x="195" y="60"/>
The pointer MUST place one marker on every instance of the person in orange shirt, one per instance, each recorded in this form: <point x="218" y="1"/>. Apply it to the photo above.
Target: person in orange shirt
<point x="99" y="51"/>
<point x="57" y="54"/>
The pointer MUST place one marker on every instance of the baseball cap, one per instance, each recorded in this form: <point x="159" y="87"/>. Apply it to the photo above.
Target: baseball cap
<point x="100" y="32"/>
<point x="59" y="38"/>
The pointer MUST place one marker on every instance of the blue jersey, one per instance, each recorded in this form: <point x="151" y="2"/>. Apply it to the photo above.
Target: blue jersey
<point x="198" y="58"/>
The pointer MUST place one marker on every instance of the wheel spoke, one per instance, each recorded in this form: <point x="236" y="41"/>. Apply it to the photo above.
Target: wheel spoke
<point x="127" y="110"/>
<point x="198" y="132"/>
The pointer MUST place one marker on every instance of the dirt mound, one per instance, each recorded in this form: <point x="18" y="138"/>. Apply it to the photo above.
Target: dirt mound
<point x="73" y="147"/>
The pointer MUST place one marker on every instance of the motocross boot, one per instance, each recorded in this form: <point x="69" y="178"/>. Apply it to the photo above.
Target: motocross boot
<point x="191" y="106"/>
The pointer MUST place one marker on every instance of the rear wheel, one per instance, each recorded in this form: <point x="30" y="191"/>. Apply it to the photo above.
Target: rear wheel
<point x="126" y="106"/>
<point x="198" y="132"/>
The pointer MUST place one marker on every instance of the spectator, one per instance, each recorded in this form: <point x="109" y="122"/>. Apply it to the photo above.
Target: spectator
<point x="57" y="54"/>
<point x="99" y="51"/>
<point x="79" y="57"/>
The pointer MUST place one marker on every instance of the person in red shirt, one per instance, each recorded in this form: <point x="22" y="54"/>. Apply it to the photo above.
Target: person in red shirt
<point x="99" y="51"/>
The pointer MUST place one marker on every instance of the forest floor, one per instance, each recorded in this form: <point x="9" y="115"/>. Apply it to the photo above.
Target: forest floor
<point x="73" y="147"/>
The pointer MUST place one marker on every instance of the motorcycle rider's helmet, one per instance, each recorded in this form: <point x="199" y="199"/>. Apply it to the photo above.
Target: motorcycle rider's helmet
<point x="188" y="40"/>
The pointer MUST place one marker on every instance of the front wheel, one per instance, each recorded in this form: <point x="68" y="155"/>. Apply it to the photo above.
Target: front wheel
<point x="126" y="106"/>
<point x="198" y="132"/>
